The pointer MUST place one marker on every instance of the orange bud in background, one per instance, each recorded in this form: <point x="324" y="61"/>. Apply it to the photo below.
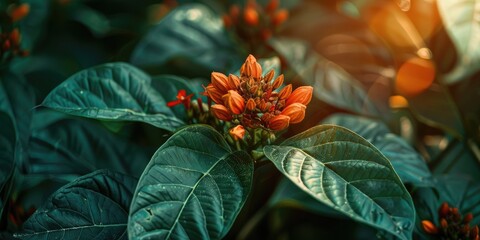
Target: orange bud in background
<point x="280" y="17"/>
<point x="227" y="21"/>
<point x="234" y="12"/>
<point x="279" y="122"/>
<point x="278" y="82"/>
<point x="214" y="94"/>
<point x="444" y="223"/>
<point x="221" y="112"/>
<point x="250" y="16"/>
<point x="295" y="111"/>
<point x="272" y="6"/>
<point x="251" y="105"/>
<point x="301" y="95"/>
<point x="443" y="210"/>
<point x="468" y="218"/>
<point x="15" y="37"/>
<point x="429" y="227"/>
<point x="233" y="81"/>
<point x="285" y="92"/>
<point x="237" y="132"/>
<point x="19" y="12"/>
<point x="234" y="102"/>
<point x="220" y="81"/>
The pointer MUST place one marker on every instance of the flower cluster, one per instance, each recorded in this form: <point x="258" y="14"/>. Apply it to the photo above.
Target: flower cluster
<point x="253" y="101"/>
<point x="452" y="225"/>
<point x="10" y="39"/>
<point x="255" y="21"/>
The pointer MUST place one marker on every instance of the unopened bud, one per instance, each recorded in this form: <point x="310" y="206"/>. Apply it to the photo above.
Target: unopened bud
<point x="251" y="104"/>
<point x="474" y="232"/>
<point x="444" y="223"/>
<point x="443" y="210"/>
<point x="15" y="37"/>
<point x="301" y="95"/>
<point x="429" y="227"/>
<point x="250" y="16"/>
<point x="234" y="12"/>
<point x="6" y="45"/>
<point x="237" y="132"/>
<point x="272" y="6"/>
<point x="295" y="111"/>
<point x="285" y="92"/>
<point x="278" y="122"/>
<point x="468" y="218"/>
<point x="18" y="13"/>
<point x="220" y="81"/>
<point x="214" y="94"/>
<point x="234" y="102"/>
<point x="279" y="17"/>
<point x="278" y="82"/>
<point x="269" y="76"/>
<point x="220" y="112"/>
<point x="233" y="81"/>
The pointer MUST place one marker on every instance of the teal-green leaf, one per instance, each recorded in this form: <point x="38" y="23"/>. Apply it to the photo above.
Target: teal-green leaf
<point x="74" y="147"/>
<point x="331" y="83"/>
<point x="408" y="164"/>
<point x="193" y="188"/>
<point x="191" y="34"/>
<point x="94" y="206"/>
<point x="113" y="91"/>
<point x="461" y="23"/>
<point x="344" y="171"/>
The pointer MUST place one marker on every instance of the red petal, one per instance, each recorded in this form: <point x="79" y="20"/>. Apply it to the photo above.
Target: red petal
<point x="174" y="103"/>
<point x="181" y="93"/>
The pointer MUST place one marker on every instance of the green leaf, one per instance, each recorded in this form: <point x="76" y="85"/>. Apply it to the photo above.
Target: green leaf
<point x="408" y="164"/>
<point x="344" y="171"/>
<point x="461" y="22"/>
<point x="194" y="187"/>
<point x="430" y="108"/>
<point x="113" y="91"/>
<point x="330" y="82"/>
<point x="69" y="148"/>
<point x="191" y="34"/>
<point x="94" y="206"/>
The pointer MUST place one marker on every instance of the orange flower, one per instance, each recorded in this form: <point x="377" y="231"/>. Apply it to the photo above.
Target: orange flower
<point x="221" y="112"/>
<point x="301" y="95"/>
<point x="220" y="81"/>
<point x="429" y="227"/>
<point x="295" y="111"/>
<point x="182" y="98"/>
<point x="237" y="132"/>
<point x="214" y="94"/>
<point x="278" y="122"/>
<point x="234" y="102"/>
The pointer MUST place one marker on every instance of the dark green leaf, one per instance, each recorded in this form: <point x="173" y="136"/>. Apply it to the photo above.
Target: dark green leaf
<point x="191" y="33"/>
<point x="114" y="91"/>
<point x="330" y="82"/>
<point x="461" y="23"/>
<point x="70" y="148"/>
<point x="431" y="106"/>
<point x="193" y="188"/>
<point x="94" y="206"/>
<point x="408" y="164"/>
<point x="344" y="171"/>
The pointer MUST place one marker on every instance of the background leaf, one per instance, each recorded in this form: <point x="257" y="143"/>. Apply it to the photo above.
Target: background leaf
<point x="190" y="35"/>
<point x="113" y="91"/>
<point x="345" y="172"/>
<point x="408" y="163"/>
<point x="193" y="187"/>
<point x="94" y="206"/>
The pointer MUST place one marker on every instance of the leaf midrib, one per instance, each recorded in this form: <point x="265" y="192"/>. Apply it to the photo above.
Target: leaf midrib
<point x="73" y="228"/>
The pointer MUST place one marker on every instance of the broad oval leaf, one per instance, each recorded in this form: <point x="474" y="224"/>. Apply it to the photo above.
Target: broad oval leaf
<point x="94" y="206"/>
<point x="191" y="33"/>
<point x="193" y="188"/>
<point x="344" y="171"/>
<point x="408" y="164"/>
<point x="330" y="82"/>
<point x="69" y="148"/>
<point x="113" y="91"/>
<point x="461" y="22"/>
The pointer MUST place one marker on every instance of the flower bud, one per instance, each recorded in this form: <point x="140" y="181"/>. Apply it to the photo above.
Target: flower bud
<point x="237" y="132"/>
<point x="278" y="122"/>
<point x="234" y="12"/>
<point x="250" y="16"/>
<point x="278" y="82"/>
<point x="474" y="232"/>
<point x="295" y="111"/>
<point x="443" y="210"/>
<point x="227" y="21"/>
<point x="220" y="81"/>
<point x="234" y="102"/>
<point x="221" y="112"/>
<point x="279" y="17"/>
<point x="285" y="92"/>
<point x="15" y="37"/>
<point x="233" y="81"/>
<point x="444" y="223"/>
<point x="272" y="6"/>
<point x="429" y="227"/>
<point x="269" y="76"/>
<point x="251" y="104"/>
<point x="468" y="218"/>
<point x="301" y="95"/>
<point x="18" y="13"/>
<point x="214" y="94"/>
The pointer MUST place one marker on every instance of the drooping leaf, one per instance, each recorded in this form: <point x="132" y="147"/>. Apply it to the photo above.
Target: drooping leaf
<point x="69" y="148"/>
<point x="347" y="173"/>
<point x="430" y="108"/>
<point x="461" y="23"/>
<point x="408" y="164"/>
<point x="193" y="187"/>
<point x="191" y="34"/>
<point x="94" y="206"/>
<point x="113" y="91"/>
<point x="330" y="82"/>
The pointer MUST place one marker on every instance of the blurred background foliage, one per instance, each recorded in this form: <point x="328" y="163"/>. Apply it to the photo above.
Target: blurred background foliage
<point x="401" y="73"/>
